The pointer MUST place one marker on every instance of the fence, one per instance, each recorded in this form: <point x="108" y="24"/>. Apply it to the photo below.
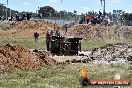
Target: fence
<point x="59" y="21"/>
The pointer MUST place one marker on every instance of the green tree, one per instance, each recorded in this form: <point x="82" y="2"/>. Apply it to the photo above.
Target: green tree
<point x="63" y="14"/>
<point x="2" y="9"/>
<point x="128" y="18"/>
<point x="46" y="11"/>
<point x="70" y="14"/>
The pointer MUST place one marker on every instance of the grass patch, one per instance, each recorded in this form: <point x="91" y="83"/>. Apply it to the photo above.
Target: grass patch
<point x="89" y="44"/>
<point x="86" y="44"/>
<point x="27" y="43"/>
<point x="57" y="77"/>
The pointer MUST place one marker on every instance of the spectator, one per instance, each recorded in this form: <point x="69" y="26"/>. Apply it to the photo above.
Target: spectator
<point x="81" y="21"/>
<point x="84" y="19"/>
<point x="17" y="17"/>
<point x="23" y="16"/>
<point x="11" y="17"/>
<point x="87" y="18"/>
<point x="28" y="16"/>
<point x="0" y="18"/>
<point x="100" y="14"/>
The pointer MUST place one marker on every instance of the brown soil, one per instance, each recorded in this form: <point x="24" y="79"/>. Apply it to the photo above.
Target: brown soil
<point x="98" y="32"/>
<point x="91" y="32"/>
<point x="21" y="58"/>
<point x="26" y="29"/>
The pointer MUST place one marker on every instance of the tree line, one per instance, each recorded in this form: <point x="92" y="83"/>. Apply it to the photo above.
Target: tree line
<point x="48" y="11"/>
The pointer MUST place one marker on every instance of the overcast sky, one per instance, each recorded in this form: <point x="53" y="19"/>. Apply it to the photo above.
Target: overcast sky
<point x="81" y="6"/>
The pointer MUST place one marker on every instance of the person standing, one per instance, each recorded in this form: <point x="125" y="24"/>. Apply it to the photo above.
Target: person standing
<point x="48" y="39"/>
<point x="36" y="36"/>
<point x="28" y="16"/>
<point x="66" y="29"/>
<point x="84" y="19"/>
<point x="57" y="33"/>
<point x="56" y="26"/>
<point x="17" y="17"/>
<point x="87" y="18"/>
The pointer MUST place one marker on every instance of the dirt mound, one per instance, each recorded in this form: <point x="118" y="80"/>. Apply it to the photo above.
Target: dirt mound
<point x="26" y="29"/>
<point x="46" y="59"/>
<point x="98" y="32"/>
<point x="113" y="52"/>
<point x="21" y="58"/>
<point x="91" y="32"/>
